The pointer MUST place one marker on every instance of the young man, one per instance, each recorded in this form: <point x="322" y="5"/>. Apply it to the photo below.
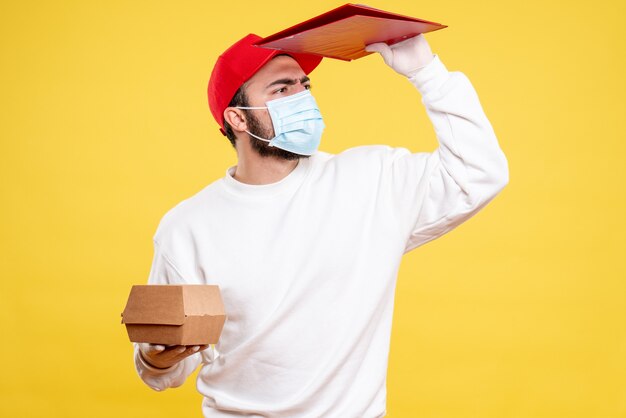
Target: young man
<point x="306" y="245"/>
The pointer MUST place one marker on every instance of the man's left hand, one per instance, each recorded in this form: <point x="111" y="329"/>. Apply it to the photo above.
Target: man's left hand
<point x="406" y="57"/>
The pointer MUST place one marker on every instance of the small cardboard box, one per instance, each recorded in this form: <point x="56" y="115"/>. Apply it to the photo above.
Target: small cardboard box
<point x="174" y="314"/>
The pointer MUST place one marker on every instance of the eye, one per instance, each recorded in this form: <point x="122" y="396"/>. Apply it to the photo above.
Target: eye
<point x="281" y="90"/>
<point x="308" y="87"/>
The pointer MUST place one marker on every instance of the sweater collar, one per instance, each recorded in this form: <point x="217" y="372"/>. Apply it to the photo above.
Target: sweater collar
<point x="289" y="182"/>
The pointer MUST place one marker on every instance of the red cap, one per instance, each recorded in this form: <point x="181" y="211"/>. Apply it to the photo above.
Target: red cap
<point x="237" y="65"/>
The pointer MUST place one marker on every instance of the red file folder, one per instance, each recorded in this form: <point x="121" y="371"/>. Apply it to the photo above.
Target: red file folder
<point x="344" y="32"/>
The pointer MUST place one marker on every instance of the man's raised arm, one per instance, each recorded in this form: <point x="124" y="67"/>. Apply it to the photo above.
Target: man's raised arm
<point x="467" y="170"/>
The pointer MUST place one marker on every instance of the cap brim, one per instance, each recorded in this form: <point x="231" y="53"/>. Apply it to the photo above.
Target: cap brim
<point x="308" y="62"/>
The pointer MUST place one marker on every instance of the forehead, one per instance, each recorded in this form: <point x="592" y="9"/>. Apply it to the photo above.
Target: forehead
<point x="279" y="67"/>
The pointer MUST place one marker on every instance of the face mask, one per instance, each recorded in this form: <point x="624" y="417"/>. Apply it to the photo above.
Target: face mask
<point x="297" y="122"/>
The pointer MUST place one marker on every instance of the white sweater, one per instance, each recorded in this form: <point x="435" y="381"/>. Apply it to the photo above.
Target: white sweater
<point x="307" y="266"/>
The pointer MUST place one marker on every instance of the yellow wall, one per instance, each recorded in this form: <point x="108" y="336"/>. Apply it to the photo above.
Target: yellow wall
<point x="104" y="126"/>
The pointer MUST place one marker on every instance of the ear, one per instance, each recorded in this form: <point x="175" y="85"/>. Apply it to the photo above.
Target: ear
<point x="236" y="119"/>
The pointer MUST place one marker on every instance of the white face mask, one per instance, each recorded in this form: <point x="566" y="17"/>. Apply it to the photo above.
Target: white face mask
<point x="297" y="122"/>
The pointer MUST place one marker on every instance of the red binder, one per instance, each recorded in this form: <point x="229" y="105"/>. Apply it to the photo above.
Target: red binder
<point x="344" y="32"/>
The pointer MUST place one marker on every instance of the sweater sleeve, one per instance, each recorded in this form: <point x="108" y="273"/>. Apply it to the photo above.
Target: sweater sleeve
<point x="444" y="188"/>
<point x="163" y="271"/>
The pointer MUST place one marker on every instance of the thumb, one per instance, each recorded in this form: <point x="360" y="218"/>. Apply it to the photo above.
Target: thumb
<point x="383" y="49"/>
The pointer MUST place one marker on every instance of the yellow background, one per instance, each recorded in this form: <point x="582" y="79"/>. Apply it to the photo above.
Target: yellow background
<point x="104" y="126"/>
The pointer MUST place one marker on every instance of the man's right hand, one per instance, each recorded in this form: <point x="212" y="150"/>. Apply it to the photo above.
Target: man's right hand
<point x="163" y="357"/>
<point x="406" y="57"/>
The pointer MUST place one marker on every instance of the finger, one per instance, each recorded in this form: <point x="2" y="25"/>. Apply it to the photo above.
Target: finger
<point x="190" y="350"/>
<point x="174" y="351"/>
<point x="383" y="49"/>
<point x="405" y="42"/>
<point x="172" y="348"/>
<point x="193" y="349"/>
<point x="380" y="47"/>
<point x="177" y="354"/>
<point x="148" y="348"/>
<point x="168" y="353"/>
<point x="375" y="47"/>
<point x="416" y="46"/>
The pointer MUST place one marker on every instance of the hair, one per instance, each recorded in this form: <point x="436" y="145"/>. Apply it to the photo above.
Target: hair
<point x="239" y="99"/>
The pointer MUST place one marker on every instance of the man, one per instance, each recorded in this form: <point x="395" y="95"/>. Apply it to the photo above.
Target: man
<point x="306" y="245"/>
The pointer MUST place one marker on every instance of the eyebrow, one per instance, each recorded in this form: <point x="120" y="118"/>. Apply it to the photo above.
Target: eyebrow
<point x="288" y="81"/>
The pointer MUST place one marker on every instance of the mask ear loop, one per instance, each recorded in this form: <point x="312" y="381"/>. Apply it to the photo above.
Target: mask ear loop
<point x="250" y="133"/>
<point x="269" y="141"/>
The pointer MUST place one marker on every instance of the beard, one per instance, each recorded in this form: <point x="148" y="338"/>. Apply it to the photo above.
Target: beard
<point x="263" y="148"/>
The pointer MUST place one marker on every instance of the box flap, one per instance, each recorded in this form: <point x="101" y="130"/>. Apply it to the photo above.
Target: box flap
<point x="342" y="33"/>
<point x="202" y="300"/>
<point x="155" y="304"/>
